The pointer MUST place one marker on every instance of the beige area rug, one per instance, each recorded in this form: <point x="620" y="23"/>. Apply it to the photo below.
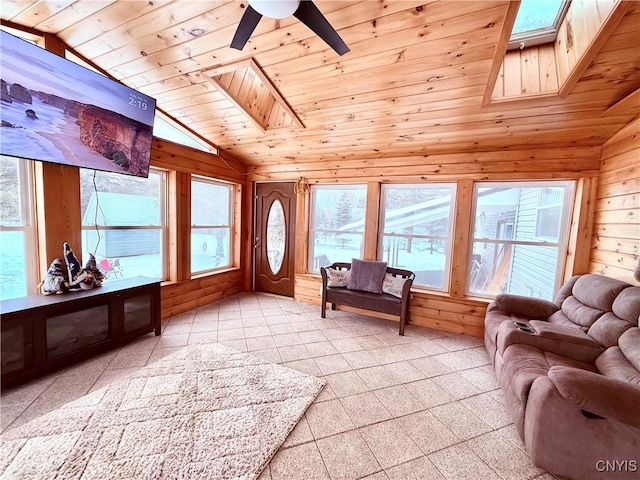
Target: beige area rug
<point x="204" y="412"/>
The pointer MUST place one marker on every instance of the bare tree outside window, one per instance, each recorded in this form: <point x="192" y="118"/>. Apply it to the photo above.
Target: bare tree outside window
<point x="416" y="223"/>
<point x="337" y="224"/>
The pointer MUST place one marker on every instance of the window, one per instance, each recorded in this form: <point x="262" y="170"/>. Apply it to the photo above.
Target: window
<point x="212" y="206"/>
<point x="549" y="212"/>
<point x="537" y="22"/>
<point x="416" y="231"/>
<point x="165" y="127"/>
<point x="337" y="224"/>
<point x="123" y="223"/>
<point x="519" y="238"/>
<point x="18" y="269"/>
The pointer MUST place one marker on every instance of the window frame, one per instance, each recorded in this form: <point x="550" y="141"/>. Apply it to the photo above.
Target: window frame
<point x="539" y="36"/>
<point x="231" y="226"/>
<point x="164" y="219"/>
<point x="26" y="174"/>
<point x="563" y="237"/>
<point x="448" y="237"/>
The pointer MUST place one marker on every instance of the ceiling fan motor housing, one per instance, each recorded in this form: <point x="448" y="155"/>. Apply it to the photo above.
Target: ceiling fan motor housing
<point x="275" y="8"/>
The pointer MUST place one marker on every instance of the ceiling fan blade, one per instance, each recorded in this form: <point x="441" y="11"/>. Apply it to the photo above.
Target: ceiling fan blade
<point x="309" y="14"/>
<point x="247" y="25"/>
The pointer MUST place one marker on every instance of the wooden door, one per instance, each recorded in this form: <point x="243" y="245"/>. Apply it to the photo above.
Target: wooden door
<point x="274" y="238"/>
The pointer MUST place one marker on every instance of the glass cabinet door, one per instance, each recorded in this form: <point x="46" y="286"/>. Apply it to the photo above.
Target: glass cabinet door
<point x="75" y="330"/>
<point x="137" y="312"/>
<point x="16" y="344"/>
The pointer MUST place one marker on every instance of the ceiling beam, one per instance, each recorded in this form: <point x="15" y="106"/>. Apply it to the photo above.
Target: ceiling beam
<point x="501" y="49"/>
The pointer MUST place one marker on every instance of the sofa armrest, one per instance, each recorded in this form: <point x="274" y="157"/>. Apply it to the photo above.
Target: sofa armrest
<point x="530" y="307"/>
<point x="595" y="393"/>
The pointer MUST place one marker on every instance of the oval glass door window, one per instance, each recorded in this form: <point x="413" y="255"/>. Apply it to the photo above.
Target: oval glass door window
<point x="276" y="232"/>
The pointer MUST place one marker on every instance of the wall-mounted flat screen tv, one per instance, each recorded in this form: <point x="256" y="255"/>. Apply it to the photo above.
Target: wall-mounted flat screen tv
<point x="54" y="110"/>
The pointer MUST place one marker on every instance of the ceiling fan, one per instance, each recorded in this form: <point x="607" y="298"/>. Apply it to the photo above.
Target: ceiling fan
<point x="303" y="10"/>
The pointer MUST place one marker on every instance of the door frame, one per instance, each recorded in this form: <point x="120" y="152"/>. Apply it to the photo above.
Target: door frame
<point x="254" y="228"/>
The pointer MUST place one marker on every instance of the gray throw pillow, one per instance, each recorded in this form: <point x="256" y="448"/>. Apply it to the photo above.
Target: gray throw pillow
<point x="367" y="275"/>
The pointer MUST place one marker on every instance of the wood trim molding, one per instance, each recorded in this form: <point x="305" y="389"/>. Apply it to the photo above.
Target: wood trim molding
<point x="461" y="238"/>
<point x="501" y="49"/>
<point x="579" y="243"/>
<point x="222" y="89"/>
<point x="266" y="81"/>
<point x="179" y="226"/>
<point x="372" y="220"/>
<point x="243" y="67"/>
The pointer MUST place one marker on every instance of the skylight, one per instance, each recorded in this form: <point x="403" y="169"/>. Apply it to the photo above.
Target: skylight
<point x="537" y="22"/>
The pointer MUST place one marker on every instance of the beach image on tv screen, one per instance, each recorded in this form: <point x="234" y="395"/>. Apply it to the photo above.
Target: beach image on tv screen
<point x="54" y="110"/>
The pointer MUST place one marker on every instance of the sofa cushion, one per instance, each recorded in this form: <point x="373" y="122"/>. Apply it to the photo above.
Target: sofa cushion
<point x="607" y="329"/>
<point x="367" y="275"/>
<point x="597" y="291"/>
<point x="565" y="290"/>
<point x="580" y="313"/>
<point x="614" y="364"/>
<point x="627" y="305"/>
<point x="629" y="343"/>
<point x="524" y="363"/>
<point x="559" y="318"/>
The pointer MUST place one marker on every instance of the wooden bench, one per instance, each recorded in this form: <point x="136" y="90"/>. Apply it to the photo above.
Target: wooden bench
<point x="377" y="302"/>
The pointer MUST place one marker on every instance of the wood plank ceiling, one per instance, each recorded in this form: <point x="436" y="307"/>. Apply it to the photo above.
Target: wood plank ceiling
<point x="412" y="84"/>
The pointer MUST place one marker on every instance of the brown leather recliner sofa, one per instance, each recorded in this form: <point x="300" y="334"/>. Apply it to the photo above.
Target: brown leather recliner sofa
<point x="570" y="373"/>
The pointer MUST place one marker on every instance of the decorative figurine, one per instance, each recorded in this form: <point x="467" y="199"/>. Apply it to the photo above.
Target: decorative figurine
<point x="54" y="281"/>
<point x="94" y="274"/>
<point x="76" y="273"/>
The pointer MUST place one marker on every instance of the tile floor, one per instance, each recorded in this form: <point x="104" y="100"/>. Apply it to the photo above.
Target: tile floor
<point x="423" y="406"/>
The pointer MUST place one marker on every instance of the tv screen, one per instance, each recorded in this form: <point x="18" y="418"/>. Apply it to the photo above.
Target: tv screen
<point x="54" y="110"/>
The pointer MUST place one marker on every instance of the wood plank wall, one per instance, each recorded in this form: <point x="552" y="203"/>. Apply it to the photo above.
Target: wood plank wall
<point x="616" y="227"/>
<point x="58" y="187"/>
<point x="454" y="311"/>
<point x="182" y="293"/>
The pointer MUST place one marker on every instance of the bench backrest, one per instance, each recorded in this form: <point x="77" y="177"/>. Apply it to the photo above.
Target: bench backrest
<point x="396" y="272"/>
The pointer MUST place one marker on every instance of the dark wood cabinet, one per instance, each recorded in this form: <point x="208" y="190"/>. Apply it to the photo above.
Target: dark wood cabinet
<point x="43" y="333"/>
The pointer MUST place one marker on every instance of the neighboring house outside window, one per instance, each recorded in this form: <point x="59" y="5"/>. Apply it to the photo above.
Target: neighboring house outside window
<point x="337" y="224"/>
<point x="520" y="235"/>
<point x="415" y="231"/>
<point x="18" y="268"/>
<point x="549" y="213"/>
<point x="124" y="223"/>
<point x="212" y="206"/>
